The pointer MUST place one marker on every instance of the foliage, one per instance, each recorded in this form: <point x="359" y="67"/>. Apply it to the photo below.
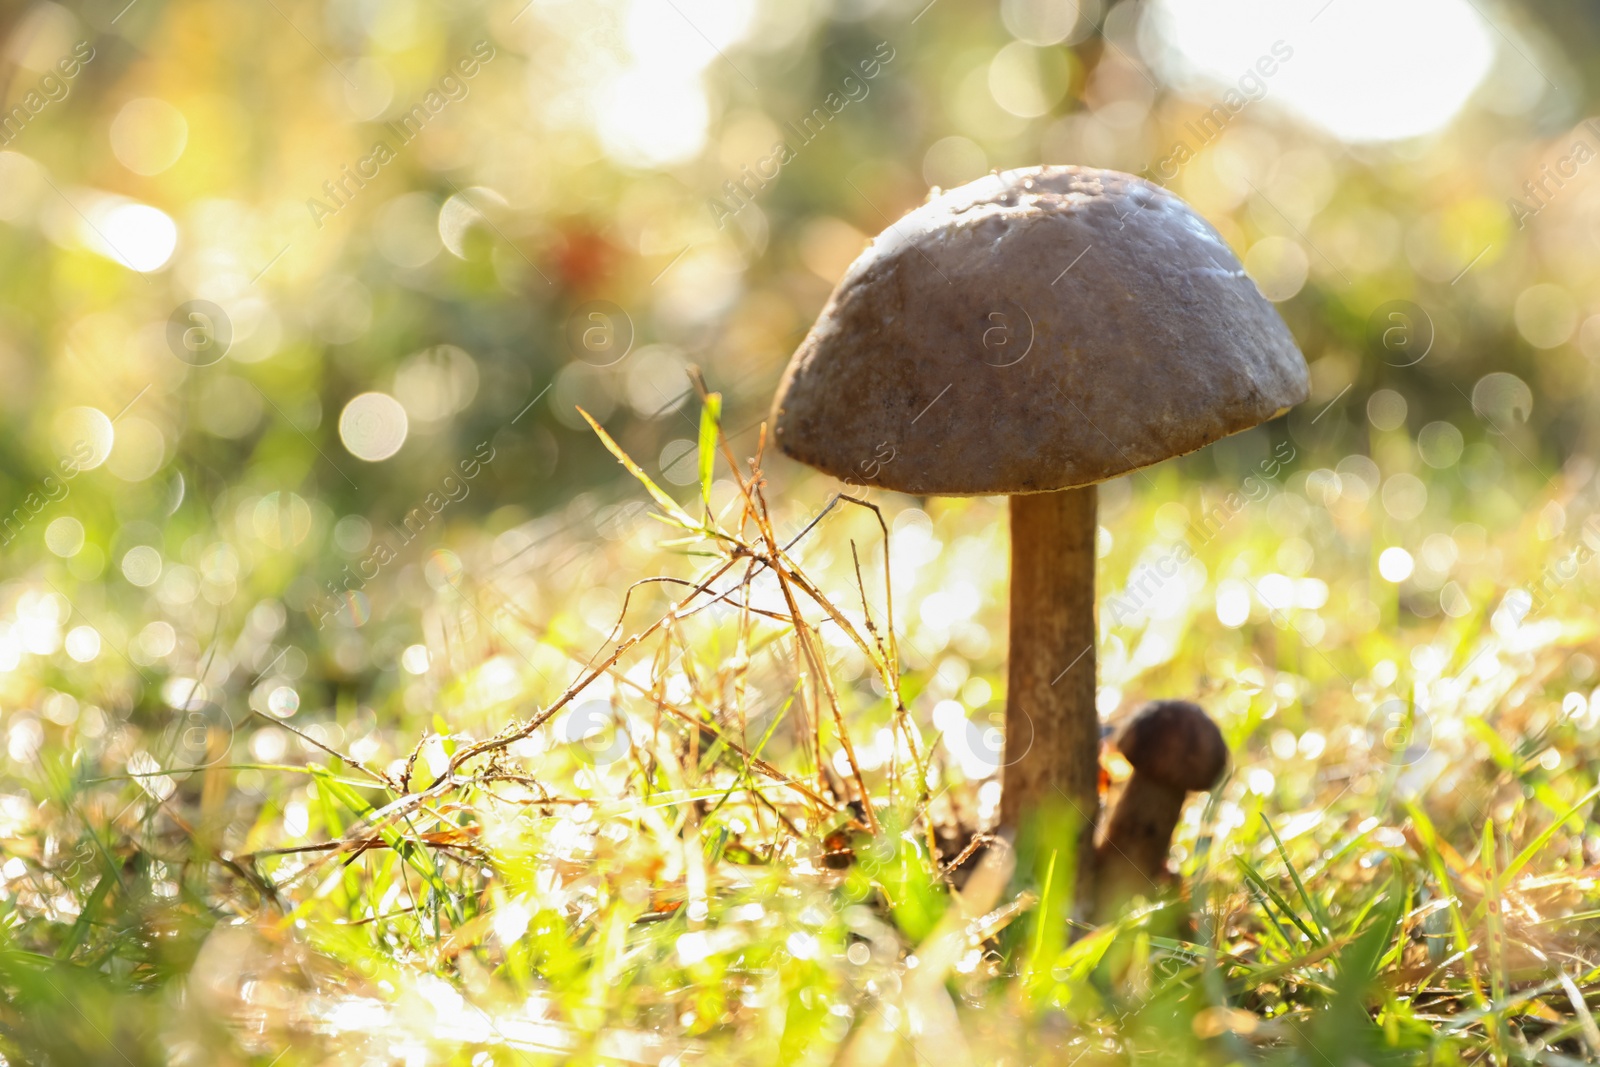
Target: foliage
<point x="648" y="862"/>
<point x="358" y="706"/>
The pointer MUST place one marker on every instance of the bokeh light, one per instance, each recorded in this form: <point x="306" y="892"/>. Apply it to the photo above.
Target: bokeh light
<point x="83" y="437"/>
<point x="1395" y="564"/>
<point x="373" y="426"/>
<point x="138" y="236"/>
<point x="148" y="135"/>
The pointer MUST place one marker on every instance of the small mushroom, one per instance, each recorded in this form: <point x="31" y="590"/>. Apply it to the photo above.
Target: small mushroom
<point x="1031" y="334"/>
<point x="1174" y="749"/>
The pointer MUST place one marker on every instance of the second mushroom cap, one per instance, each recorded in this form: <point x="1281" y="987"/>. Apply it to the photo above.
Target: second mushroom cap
<point x="1176" y="744"/>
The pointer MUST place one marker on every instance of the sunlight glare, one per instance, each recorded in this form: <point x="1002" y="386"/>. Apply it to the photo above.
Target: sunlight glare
<point x="689" y="34"/>
<point x="1417" y="63"/>
<point x="651" y="117"/>
<point x="655" y="112"/>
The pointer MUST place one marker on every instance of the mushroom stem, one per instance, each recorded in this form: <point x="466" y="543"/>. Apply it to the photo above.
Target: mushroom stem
<point x="1131" y="859"/>
<point x="1052" y="730"/>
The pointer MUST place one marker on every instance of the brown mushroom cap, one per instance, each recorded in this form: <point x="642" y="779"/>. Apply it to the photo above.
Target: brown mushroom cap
<point x="1035" y="330"/>
<point x="1174" y="742"/>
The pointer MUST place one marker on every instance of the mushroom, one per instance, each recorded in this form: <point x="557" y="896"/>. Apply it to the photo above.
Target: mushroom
<point x="1033" y="333"/>
<point x="1174" y="749"/>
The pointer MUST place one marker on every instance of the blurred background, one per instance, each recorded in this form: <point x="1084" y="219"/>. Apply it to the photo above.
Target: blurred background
<point x="298" y="300"/>
<point x="276" y="270"/>
<point x="272" y="272"/>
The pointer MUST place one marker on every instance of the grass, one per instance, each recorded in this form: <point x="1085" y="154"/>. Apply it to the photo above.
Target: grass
<point x="712" y="816"/>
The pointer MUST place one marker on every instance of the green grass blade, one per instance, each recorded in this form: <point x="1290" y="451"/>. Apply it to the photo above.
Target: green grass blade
<point x="710" y="418"/>
<point x="1277" y="898"/>
<point x="1534" y="847"/>
<point x="1312" y="905"/>
<point x="1427" y="835"/>
<point x="674" y="513"/>
<point x="416" y="856"/>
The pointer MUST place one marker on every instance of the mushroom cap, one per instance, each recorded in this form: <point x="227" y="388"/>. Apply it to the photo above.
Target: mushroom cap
<point x="1034" y="330"/>
<point x="1175" y="743"/>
